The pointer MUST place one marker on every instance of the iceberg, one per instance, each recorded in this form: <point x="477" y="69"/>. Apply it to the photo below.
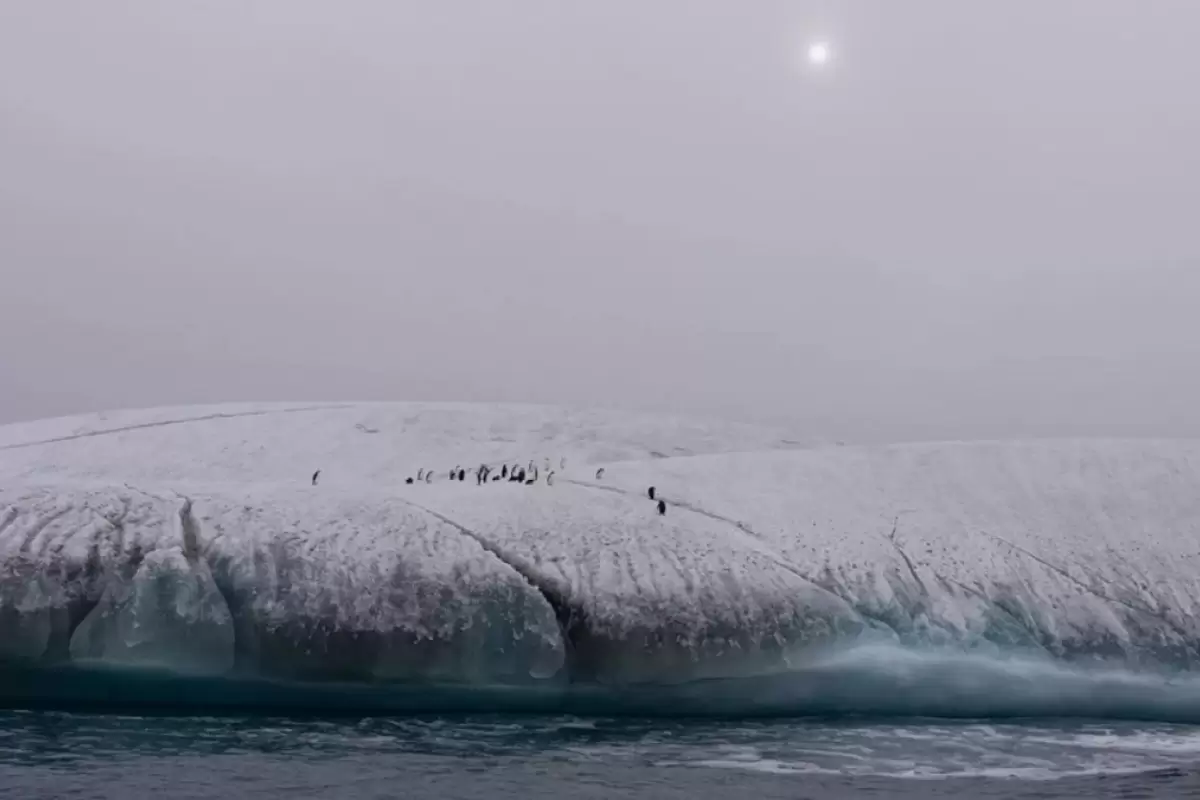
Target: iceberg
<point x="193" y="545"/>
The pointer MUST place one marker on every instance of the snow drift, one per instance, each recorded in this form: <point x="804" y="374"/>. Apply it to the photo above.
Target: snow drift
<point x="191" y="543"/>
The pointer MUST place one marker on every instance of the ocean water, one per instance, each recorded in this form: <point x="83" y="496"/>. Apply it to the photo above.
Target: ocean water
<point x="50" y="754"/>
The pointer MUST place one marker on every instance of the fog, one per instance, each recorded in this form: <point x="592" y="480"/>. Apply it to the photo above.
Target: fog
<point x="976" y="220"/>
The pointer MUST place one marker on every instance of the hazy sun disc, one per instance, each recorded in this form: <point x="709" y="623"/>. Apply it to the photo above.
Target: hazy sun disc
<point x="818" y="54"/>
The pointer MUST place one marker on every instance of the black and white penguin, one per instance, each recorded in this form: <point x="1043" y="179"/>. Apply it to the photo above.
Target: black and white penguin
<point x="550" y="478"/>
<point x="600" y="473"/>
<point x="504" y="471"/>
<point x="662" y="507"/>
<point x="421" y="474"/>
<point x="650" y="492"/>
<point x="408" y="480"/>
<point x="462" y="474"/>
<point x="429" y="476"/>
<point x="316" y="475"/>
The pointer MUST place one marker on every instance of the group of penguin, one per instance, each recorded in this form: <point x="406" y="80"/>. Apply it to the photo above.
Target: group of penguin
<point x="485" y="474"/>
<point x="517" y="474"/>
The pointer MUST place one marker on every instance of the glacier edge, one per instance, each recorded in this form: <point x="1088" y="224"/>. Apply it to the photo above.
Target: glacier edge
<point x="769" y="559"/>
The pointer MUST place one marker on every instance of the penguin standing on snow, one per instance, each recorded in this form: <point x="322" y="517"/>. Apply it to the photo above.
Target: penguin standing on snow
<point x="662" y="508"/>
<point x="429" y="476"/>
<point x="421" y="474"/>
<point x="600" y="473"/>
<point x="550" y="478"/>
<point x="462" y="474"/>
<point x="650" y="492"/>
<point x="408" y="480"/>
<point x="504" y="471"/>
<point x="316" y="475"/>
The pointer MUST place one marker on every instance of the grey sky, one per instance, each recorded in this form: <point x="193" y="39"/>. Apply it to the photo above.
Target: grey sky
<point x="980" y="220"/>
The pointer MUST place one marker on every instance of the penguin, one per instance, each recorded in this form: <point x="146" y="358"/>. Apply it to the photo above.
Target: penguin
<point x="562" y="463"/>
<point x="600" y="473"/>
<point x="408" y="480"/>
<point x="504" y="471"/>
<point x="550" y="478"/>
<point x="662" y="508"/>
<point x="521" y="475"/>
<point x="495" y="478"/>
<point x="650" y="492"/>
<point x="429" y="476"/>
<point x="462" y="474"/>
<point x="316" y="475"/>
<point x="421" y="474"/>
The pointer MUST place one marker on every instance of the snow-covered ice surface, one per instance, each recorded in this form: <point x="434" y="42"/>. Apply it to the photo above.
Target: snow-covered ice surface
<point x="190" y="540"/>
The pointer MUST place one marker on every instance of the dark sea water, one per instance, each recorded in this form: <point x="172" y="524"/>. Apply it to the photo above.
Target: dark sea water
<point x="46" y="754"/>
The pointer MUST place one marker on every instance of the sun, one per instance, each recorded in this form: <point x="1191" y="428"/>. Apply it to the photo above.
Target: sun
<point x="819" y="54"/>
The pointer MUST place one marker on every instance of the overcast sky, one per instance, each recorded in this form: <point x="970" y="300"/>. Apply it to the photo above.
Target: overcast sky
<point x="978" y="219"/>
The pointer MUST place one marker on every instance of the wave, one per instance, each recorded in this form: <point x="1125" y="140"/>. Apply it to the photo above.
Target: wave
<point x="871" y="681"/>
